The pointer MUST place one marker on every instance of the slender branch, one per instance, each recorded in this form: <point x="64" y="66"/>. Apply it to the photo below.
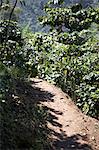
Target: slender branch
<point x="9" y="21"/>
<point x="1" y="2"/>
<point x="12" y="10"/>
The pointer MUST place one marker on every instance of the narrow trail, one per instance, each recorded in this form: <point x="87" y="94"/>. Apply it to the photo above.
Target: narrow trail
<point x="71" y="129"/>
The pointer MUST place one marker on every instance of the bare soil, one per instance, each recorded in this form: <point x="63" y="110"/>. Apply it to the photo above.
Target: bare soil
<point x="70" y="128"/>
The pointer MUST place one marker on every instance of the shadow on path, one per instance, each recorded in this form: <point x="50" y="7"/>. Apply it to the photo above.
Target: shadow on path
<point x="71" y="143"/>
<point x="24" y="122"/>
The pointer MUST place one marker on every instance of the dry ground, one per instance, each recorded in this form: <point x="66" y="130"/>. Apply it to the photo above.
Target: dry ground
<point x="71" y="129"/>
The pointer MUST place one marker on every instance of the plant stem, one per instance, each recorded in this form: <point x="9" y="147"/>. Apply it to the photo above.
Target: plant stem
<point x="9" y="21"/>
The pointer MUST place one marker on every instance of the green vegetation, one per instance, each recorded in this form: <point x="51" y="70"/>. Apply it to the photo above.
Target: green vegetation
<point x="22" y="122"/>
<point x="67" y="56"/>
<point x="70" y="58"/>
<point x="34" y="9"/>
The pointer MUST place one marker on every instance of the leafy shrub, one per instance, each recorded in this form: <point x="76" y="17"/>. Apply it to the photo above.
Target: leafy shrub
<point x="73" y="18"/>
<point x="72" y="66"/>
<point x="20" y="127"/>
<point x="69" y="58"/>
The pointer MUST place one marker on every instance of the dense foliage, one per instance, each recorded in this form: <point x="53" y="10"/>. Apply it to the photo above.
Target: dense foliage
<point x="74" y="18"/>
<point x="22" y="123"/>
<point x="34" y="9"/>
<point x="70" y="58"/>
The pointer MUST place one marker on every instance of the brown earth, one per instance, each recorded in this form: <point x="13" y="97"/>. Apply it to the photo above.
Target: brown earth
<point x="71" y="129"/>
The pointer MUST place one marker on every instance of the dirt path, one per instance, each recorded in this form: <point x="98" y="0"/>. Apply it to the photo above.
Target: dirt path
<point x="71" y="130"/>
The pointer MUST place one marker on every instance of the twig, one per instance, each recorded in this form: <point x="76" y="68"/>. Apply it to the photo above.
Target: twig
<point x="1" y="3"/>
<point x="7" y="27"/>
